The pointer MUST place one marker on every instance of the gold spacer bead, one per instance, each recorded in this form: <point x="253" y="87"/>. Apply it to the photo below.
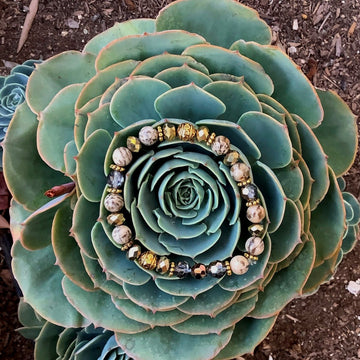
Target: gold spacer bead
<point x="247" y="255"/>
<point x="253" y="257"/>
<point x="160" y="133"/>
<point x="116" y="167"/>
<point x="113" y="190"/>
<point x="127" y="246"/>
<point x="228" y="268"/>
<point x="172" y="269"/>
<point x="211" y="139"/>
<point x="251" y="203"/>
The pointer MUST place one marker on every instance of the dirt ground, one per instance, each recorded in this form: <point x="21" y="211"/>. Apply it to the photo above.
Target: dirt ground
<point x="323" y="38"/>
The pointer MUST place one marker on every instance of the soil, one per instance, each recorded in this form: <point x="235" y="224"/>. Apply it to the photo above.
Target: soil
<point x="323" y="38"/>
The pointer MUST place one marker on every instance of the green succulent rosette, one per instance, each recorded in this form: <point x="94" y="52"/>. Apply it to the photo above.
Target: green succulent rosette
<point x="180" y="199"/>
<point x="56" y="342"/>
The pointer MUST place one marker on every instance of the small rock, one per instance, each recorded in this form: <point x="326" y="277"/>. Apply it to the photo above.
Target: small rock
<point x="72" y="24"/>
<point x="354" y="287"/>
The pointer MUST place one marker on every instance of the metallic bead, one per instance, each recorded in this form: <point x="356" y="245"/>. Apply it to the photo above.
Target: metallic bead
<point x="255" y="213"/>
<point x="210" y="139"/>
<point x="113" y="202"/>
<point x="121" y="234"/>
<point x="220" y="145"/>
<point x="202" y="133"/>
<point x="251" y="203"/>
<point x="186" y="132"/>
<point x="115" y="219"/>
<point x="163" y="265"/>
<point x="133" y="144"/>
<point x="254" y="245"/>
<point x="239" y="264"/>
<point x="148" y="135"/>
<point x="256" y="230"/>
<point x="134" y="252"/>
<point x="172" y="269"/>
<point x="231" y="158"/>
<point x="240" y="172"/>
<point x="117" y="167"/>
<point x="244" y="183"/>
<point x="115" y="179"/>
<point x="122" y="156"/>
<point x="198" y="271"/>
<point x="127" y="246"/>
<point x="251" y="258"/>
<point x="216" y="269"/>
<point x="169" y="131"/>
<point x="228" y="268"/>
<point x="113" y="191"/>
<point x="182" y="269"/>
<point x="160" y="133"/>
<point x="249" y="192"/>
<point x="148" y="260"/>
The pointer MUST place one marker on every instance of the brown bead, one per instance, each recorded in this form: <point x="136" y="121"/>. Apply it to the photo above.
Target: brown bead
<point x="198" y="271"/>
<point x="163" y="265"/>
<point x="113" y="202"/>
<point x="121" y="234"/>
<point x="254" y="245"/>
<point x="255" y="213"/>
<point x="239" y="265"/>
<point x="231" y="158"/>
<point x="115" y="219"/>
<point x="148" y="260"/>
<point x="186" y="132"/>
<point x="122" y="156"/>
<point x="169" y="131"/>
<point x="148" y="135"/>
<point x="240" y="172"/>
<point x="220" y="145"/>
<point x="202" y="133"/>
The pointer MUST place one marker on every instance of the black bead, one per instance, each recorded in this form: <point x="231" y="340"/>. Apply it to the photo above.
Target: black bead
<point x="216" y="269"/>
<point x="116" y="179"/>
<point x="182" y="269"/>
<point x="249" y="192"/>
<point x="198" y="271"/>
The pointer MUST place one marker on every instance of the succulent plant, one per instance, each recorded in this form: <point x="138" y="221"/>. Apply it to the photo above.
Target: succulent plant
<point x="56" y="342"/>
<point x="197" y="183"/>
<point x="12" y="93"/>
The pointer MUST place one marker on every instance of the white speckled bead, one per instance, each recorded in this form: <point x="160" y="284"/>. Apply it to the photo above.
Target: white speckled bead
<point x="240" y="171"/>
<point x="254" y="246"/>
<point x="148" y="135"/>
<point x="220" y="145"/>
<point x="113" y="202"/>
<point x="239" y="265"/>
<point x="122" y="156"/>
<point x="121" y="234"/>
<point x="255" y="213"/>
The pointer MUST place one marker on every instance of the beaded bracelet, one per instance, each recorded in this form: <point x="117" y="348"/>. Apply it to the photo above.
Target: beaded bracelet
<point x="240" y="172"/>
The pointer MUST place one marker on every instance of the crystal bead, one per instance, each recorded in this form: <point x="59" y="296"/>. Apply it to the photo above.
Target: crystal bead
<point x="198" y="271"/>
<point x="113" y="202"/>
<point x="148" y="135"/>
<point x="169" y="131"/>
<point x="115" y="219"/>
<point x="163" y="265"/>
<point x="186" y="132"/>
<point x="256" y="229"/>
<point x="122" y="156"/>
<point x="254" y="245"/>
<point x="182" y="269"/>
<point x="240" y="171"/>
<point x="202" y="133"/>
<point x="148" y="260"/>
<point x="134" y="252"/>
<point x="249" y="192"/>
<point x="239" y="265"/>
<point x="220" y="145"/>
<point x="231" y="158"/>
<point x="216" y="269"/>
<point x="115" y="179"/>
<point x="121" y="234"/>
<point x="255" y="213"/>
<point x="133" y="144"/>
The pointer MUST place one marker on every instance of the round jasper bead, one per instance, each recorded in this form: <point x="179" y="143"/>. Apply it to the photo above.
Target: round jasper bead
<point x="254" y="246"/>
<point x="239" y="265"/>
<point x="198" y="271"/>
<point x="249" y="192"/>
<point x="163" y="265"/>
<point x="134" y="252"/>
<point x="121" y="234"/>
<point x="148" y="135"/>
<point x="148" y="260"/>
<point x="182" y="269"/>
<point x="256" y="229"/>
<point x="220" y="145"/>
<point x="240" y="171"/>
<point x="133" y="144"/>
<point x="115" y="219"/>
<point x="202" y="133"/>
<point x="216" y="269"/>
<point x="169" y="131"/>
<point x="231" y="158"/>
<point x="255" y="213"/>
<point x="115" y="179"/>
<point x="113" y="202"/>
<point x="122" y="156"/>
<point x="186" y="132"/>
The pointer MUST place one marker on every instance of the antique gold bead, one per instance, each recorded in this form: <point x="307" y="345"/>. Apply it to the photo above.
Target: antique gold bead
<point x="127" y="246"/>
<point x="256" y="230"/>
<point x="160" y="133"/>
<point x="202" y="133"/>
<point x="116" y="167"/>
<point x="172" y="269"/>
<point x="115" y="219"/>
<point x="148" y="260"/>
<point x="113" y="190"/>
<point x="228" y="268"/>
<point x="231" y="158"/>
<point x="134" y="252"/>
<point x="169" y="131"/>
<point x="211" y="139"/>
<point x="133" y="144"/>
<point x="163" y="265"/>
<point x="186" y="132"/>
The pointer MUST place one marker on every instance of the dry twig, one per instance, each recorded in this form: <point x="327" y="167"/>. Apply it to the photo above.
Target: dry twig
<point x="28" y="22"/>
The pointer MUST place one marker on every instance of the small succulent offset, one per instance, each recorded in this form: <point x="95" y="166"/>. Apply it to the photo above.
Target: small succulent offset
<point x="196" y="173"/>
<point x="12" y="93"/>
